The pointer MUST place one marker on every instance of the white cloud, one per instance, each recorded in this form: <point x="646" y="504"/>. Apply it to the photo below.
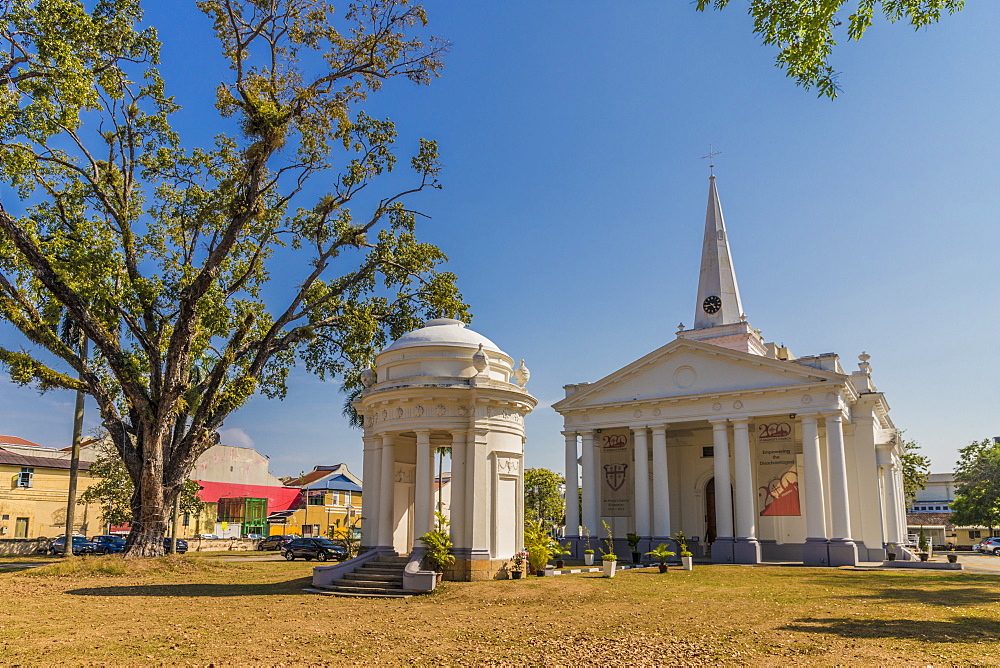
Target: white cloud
<point x="236" y="436"/>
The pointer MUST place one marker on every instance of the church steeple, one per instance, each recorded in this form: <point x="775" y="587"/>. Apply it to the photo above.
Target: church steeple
<point x="718" y="293"/>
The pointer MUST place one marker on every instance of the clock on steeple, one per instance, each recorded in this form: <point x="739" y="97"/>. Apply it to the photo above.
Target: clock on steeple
<point x="712" y="304"/>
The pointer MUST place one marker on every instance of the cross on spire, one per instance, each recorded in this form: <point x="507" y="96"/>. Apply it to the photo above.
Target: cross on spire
<point x="711" y="155"/>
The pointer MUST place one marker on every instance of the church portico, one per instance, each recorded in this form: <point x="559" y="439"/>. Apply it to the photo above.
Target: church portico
<point x="753" y="453"/>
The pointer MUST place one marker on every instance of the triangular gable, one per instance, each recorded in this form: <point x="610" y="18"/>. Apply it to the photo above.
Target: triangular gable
<point x="684" y="367"/>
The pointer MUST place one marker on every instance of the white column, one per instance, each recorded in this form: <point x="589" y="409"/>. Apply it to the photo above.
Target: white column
<point x="641" y="483"/>
<point x="814" y="552"/>
<point x="423" y="488"/>
<point x="371" y="476"/>
<point x="723" y="482"/>
<point x="746" y="525"/>
<point x="841" y="511"/>
<point x="843" y="551"/>
<point x="661" y="483"/>
<point x="590" y="498"/>
<point x="572" y="486"/>
<point x="746" y="550"/>
<point x="892" y="533"/>
<point x="387" y="491"/>
<point x="813" y="479"/>
<point x="459" y="502"/>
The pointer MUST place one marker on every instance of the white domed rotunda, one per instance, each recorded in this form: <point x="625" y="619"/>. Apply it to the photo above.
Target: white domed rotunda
<point x="445" y="385"/>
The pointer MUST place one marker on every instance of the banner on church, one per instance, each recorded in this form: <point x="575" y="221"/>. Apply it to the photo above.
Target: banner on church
<point x="777" y="474"/>
<point x="617" y="473"/>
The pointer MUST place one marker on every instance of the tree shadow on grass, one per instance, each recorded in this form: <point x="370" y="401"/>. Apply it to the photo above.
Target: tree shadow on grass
<point x="959" y="630"/>
<point x="196" y="590"/>
<point x="945" y="591"/>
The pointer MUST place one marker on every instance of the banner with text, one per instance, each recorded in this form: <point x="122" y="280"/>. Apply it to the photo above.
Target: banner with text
<point x="617" y="473"/>
<point x="777" y="476"/>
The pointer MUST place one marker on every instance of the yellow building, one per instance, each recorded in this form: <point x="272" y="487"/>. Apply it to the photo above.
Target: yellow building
<point x="34" y="487"/>
<point x="330" y="501"/>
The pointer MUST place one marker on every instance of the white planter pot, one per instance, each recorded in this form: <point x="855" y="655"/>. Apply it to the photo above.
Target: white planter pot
<point x="550" y="572"/>
<point x="588" y="559"/>
<point x="687" y="562"/>
<point x="609" y="568"/>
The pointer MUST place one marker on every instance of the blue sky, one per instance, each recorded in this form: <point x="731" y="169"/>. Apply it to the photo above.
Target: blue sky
<point x="574" y="199"/>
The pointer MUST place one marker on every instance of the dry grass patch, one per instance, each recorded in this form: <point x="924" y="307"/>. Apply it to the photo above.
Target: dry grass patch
<point x="116" y="564"/>
<point x="254" y="614"/>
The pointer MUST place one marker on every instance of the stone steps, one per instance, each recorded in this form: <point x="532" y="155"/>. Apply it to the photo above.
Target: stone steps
<point x="381" y="578"/>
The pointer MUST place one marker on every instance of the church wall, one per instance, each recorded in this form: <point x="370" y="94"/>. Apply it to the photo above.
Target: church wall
<point x="866" y="506"/>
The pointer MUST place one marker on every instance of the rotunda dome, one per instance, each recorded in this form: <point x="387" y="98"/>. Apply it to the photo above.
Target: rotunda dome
<point x="444" y="332"/>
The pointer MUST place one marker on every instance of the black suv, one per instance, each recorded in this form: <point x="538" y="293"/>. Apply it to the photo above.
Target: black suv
<point x="275" y="542"/>
<point x="319" y="548"/>
<point x="182" y="545"/>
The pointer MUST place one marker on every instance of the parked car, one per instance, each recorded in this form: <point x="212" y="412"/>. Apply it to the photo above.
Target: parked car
<point x="182" y="545"/>
<point x="80" y="546"/>
<point x="108" y="544"/>
<point x="989" y="546"/>
<point x="275" y="542"/>
<point x="208" y="536"/>
<point x="253" y="536"/>
<point x="320" y="549"/>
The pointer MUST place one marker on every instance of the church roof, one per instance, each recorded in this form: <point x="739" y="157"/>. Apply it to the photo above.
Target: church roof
<point x="685" y="368"/>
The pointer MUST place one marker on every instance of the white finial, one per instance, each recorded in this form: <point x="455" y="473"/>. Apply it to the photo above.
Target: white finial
<point x="479" y="360"/>
<point x="863" y="364"/>
<point x="521" y="374"/>
<point x="680" y="327"/>
<point x="743" y="317"/>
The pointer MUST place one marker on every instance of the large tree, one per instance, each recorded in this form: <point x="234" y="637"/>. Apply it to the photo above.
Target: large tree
<point x="805" y="31"/>
<point x="159" y="249"/>
<point x="542" y="500"/>
<point x="916" y="469"/>
<point x="977" y="490"/>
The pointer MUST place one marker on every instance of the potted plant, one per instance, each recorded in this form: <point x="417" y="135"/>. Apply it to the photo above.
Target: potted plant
<point x="661" y="554"/>
<point x="633" y="543"/>
<point x="559" y="551"/>
<point x="952" y="557"/>
<point x="517" y="564"/>
<point x="891" y="552"/>
<point x="924" y="543"/>
<point x="609" y="560"/>
<point x="438" y="556"/>
<point x="687" y="559"/>
<point x="539" y="546"/>
<point x="588" y="553"/>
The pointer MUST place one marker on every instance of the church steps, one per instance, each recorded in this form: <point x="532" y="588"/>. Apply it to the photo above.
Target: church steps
<point x="381" y="578"/>
<point x="372" y="577"/>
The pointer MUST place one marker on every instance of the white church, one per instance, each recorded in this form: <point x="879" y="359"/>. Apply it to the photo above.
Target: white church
<point x="753" y="453"/>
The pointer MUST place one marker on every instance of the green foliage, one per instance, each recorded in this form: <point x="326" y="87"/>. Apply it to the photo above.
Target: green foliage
<point x="633" y="540"/>
<point x="438" y="556"/>
<point x="916" y="469"/>
<point x="161" y="251"/>
<point x="923" y="542"/>
<point x="542" y="500"/>
<point x="608" y="551"/>
<point x="539" y="544"/>
<point x="805" y="31"/>
<point x="660" y="553"/>
<point x="682" y="545"/>
<point x="977" y="491"/>
<point x="113" y="490"/>
<point x="346" y="531"/>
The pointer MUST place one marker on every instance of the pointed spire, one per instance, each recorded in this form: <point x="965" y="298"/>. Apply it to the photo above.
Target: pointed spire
<point x="718" y="293"/>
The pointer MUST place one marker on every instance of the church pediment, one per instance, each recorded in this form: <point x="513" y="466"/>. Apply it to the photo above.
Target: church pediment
<point x="686" y="368"/>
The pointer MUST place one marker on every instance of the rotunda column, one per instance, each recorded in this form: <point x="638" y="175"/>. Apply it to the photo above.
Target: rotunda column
<point x="843" y="550"/>
<point x="572" y="486"/>
<point x="722" y="547"/>
<point x="815" y="551"/>
<point x="423" y="491"/>
<point x="661" y="484"/>
<point x="746" y="550"/>
<point x="371" y="477"/>
<point x="591" y="514"/>
<point x="459" y="502"/>
<point x="387" y="492"/>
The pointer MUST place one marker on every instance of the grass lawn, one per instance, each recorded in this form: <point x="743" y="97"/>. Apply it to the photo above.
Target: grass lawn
<point x="201" y="611"/>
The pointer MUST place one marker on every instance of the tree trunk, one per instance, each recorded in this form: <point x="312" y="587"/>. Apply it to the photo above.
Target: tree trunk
<point x="150" y="505"/>
<point x="74" y="469"/>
